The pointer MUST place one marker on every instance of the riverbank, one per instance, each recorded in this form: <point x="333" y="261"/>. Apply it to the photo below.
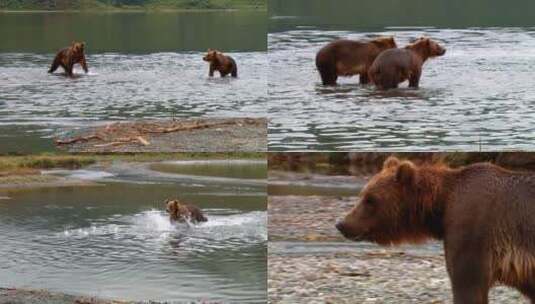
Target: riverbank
<point x="28" y="296"/>
<point x="182" y="135"/>
<point x="310" y="262"/>
<point x="364" y="276"/>
<point x="25" y="171"/>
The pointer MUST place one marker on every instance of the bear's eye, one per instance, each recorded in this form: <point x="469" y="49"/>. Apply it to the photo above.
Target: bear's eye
<point x="370" y="201"/>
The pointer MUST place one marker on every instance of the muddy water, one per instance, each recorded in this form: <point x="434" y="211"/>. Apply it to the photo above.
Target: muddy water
<point x="116" y="241"/>
<point x="144" y="66"/>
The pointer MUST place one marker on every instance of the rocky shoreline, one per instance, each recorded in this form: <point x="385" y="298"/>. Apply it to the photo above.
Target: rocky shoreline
<point x="181" y="135"/>
<point x="309" y="262"/>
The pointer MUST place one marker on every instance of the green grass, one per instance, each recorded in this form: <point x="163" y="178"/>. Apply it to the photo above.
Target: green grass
<point x="117" y="5"/>
<point x="29" y="164"/>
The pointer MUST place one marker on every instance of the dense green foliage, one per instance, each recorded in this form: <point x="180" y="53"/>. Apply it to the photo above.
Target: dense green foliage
<point x="130" y="4"/>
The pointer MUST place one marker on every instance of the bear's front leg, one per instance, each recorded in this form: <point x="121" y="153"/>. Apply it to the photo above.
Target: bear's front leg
<point x="83" y="63"/>
<point x="363" y="78"/>
<point x="469" y="273"/>
<point x="68" y="69"/>
<point x="211" y="72"/>
<point x="414" y="79"/>
<point x="528" y="290"/>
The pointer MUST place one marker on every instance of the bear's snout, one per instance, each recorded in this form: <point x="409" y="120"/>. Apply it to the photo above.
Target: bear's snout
<point x="341" y="226"/>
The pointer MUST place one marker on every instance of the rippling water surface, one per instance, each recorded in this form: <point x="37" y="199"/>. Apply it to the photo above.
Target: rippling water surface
<point x="141" y="65"/>
<point x="480" y="95"/>
<point x="116" y="241"/>
<point x="125" y="86"/>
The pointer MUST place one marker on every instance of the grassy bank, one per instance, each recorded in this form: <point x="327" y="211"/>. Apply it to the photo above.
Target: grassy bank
<point x="129" y="5"/>
<point x="344" y="163"/>
<point x="31" y="164"/>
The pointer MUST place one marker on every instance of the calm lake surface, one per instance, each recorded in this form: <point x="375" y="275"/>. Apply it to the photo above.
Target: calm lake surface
<point x="141" y="65"/>
<point x="116" y="241"/>
<point x="478" y="96"/>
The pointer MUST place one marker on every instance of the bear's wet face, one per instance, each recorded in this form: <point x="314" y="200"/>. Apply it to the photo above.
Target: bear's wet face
<point x="383" y="215"/>
<point x="78" y="47"/>
<point x="429" y="47"/>
<point x="210" y="56"/>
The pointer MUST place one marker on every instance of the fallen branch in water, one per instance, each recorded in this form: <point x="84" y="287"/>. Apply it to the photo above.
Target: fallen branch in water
<point x="77" y="139"/>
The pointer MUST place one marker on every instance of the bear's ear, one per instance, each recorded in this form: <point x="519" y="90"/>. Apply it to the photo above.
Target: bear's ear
<point x="406" y="173"/>
<point x="391" y="162"/>
<point x="82" y="43"/>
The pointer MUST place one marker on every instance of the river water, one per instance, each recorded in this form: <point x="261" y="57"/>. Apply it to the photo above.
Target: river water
<point x="141" y="65"/>
<point x="115" y="240"/>
<point x="478" y="96"/>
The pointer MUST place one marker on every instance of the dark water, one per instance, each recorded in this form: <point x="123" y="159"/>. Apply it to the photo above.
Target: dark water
<point x="141" y="65"/>
<point x="116" y="241"/>
<point x="369" y="14"/>
<point x="478" y="96"/>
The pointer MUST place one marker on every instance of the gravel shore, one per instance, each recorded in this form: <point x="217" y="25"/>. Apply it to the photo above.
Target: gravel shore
<point x="309" y="262"/>
<point x="216" y="135"/>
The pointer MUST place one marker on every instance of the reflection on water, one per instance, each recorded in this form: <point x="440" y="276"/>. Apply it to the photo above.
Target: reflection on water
<point x="137" y="32"/>
<point x="141" y="65"/>
<point x="372" y="14"/>
<point x="479" y="95"/>
<point x="247" y="169"/>
<point x="116" y="241"/>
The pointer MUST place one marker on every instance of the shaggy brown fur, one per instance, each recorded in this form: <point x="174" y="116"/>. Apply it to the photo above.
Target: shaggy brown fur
<point x="68" y="57"/>
<point x="484" y="214"/>
<point x="182" y="212"/>
<point x="348" y="57"/>
<point x="394" y="66"/>
<point x="222" y="63"/>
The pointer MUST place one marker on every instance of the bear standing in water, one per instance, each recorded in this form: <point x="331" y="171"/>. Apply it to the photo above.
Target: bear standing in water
<point x="484" y="214"/>
<point x="68" y="57"/>
<point x="348" y="57"/>
<point x="222" y="63"/>
<point x="181" y="212"/>
<point x="394" y="66"/>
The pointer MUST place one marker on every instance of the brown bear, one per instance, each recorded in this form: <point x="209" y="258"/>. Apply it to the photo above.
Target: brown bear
<point x="484" y="214"/>
<point x="182" y="212"/>
<point x="68" y="57"/>
<point x="349" y="57"/>
<point x="222" y="63"/>
<point x="394" y="66"/>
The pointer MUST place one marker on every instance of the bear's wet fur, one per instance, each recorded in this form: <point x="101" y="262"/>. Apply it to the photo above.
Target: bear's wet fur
<point x="394" y="66"/>
<point x="182" y="212"/>
<point x="220" y="62"/>
<point x="345" y="57"/>
<point x="484" y="214"/>
<point x="68" y="57"/>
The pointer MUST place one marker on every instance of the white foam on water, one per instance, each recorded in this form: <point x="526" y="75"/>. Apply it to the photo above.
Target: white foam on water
<point x="155" y="225"/>
<point x="90" y="174"/>
<point x="80" y="174"/>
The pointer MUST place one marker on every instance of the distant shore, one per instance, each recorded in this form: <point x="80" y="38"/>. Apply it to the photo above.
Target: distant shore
<point x="97" y="7"/>
<point x="131" y="10"/>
